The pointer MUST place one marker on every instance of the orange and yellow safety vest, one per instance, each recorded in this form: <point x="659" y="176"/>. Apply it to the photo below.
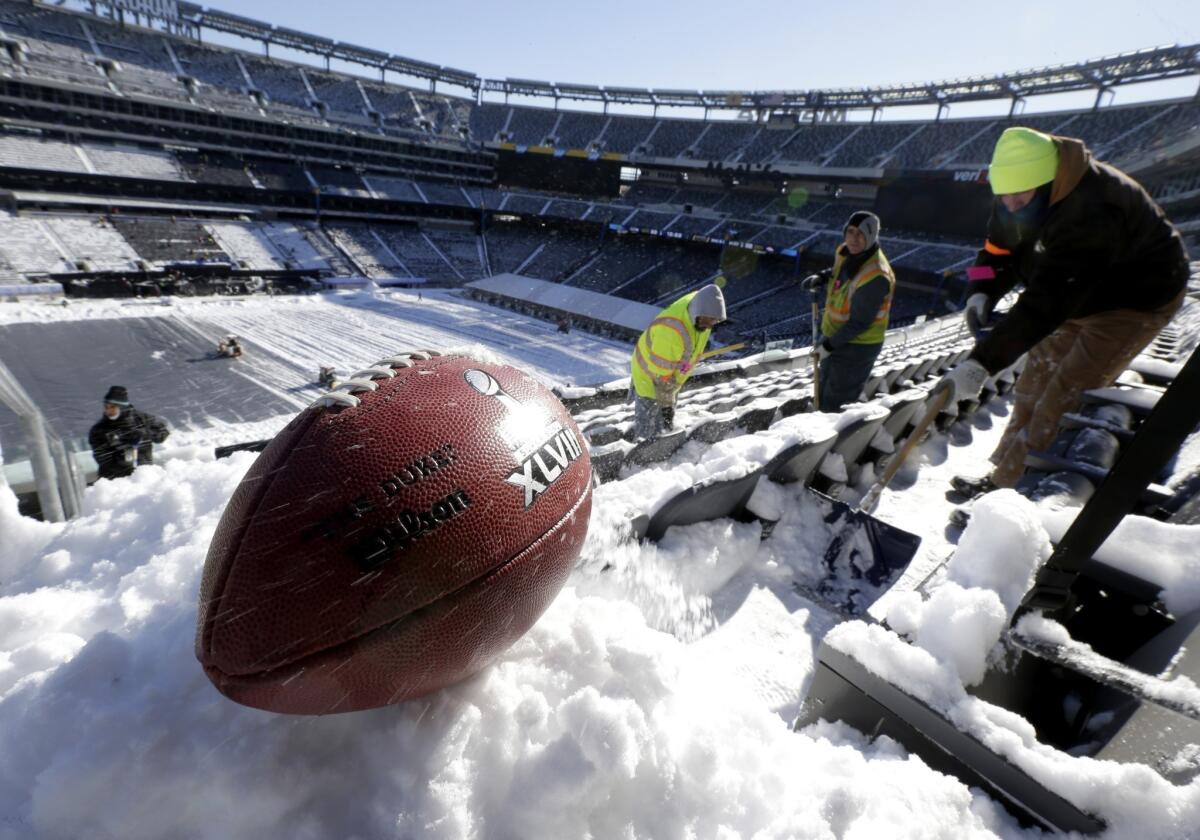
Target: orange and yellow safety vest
<point x="668" y="349"/>
<point x="841" y="292"/>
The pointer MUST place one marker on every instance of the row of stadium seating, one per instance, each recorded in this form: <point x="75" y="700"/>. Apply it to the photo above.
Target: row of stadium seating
<point x="1112" y="132"/>
<point x="762" y="297"/>
<point x="86" y="51"/>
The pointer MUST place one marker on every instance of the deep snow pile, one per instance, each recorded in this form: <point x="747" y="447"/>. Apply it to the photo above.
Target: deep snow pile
<point x="594" y="724"/>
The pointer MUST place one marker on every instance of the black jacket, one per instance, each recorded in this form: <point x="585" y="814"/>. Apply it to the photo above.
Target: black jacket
<point x="114" y="442"/>
<point x="1101" y="244"/>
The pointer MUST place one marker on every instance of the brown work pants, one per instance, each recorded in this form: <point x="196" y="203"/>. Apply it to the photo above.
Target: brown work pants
<point x="1082" y="354"/>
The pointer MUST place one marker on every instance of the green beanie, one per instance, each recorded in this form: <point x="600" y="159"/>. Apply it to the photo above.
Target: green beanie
<point x="1023" y="160"/>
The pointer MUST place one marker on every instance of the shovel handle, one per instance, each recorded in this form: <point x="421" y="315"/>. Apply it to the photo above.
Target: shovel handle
<point x="816" y="365"/>
<point x="729" y="348"/>
<point x="931" y="412"/>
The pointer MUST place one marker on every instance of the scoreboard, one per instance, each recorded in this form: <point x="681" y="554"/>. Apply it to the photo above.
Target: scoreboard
<point x="950" y="203"/>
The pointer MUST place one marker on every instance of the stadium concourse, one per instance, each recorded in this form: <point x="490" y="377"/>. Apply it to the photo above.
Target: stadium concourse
<point x="162" y="191"/>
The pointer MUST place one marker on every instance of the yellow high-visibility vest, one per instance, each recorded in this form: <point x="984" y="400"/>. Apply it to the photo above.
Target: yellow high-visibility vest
<point x="668" y="349"/>
<point x="841" y="292"/>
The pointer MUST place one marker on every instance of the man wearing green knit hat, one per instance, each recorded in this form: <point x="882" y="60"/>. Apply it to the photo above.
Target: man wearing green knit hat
<point x="1103" y="271"/>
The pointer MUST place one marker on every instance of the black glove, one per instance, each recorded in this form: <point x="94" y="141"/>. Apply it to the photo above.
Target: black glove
<point x="128" y="439"/>
<point x="814" y="282"/>
<point x="668" y="415"/>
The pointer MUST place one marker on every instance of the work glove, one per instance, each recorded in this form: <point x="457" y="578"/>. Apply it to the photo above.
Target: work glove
<point x="977" y="313"/>
<point x="814" y="282"/>
<point x="668" y="416"/>
<point x="964" y="381"/>
<point x="665" y="394"/>
<point x="823" y="350"/>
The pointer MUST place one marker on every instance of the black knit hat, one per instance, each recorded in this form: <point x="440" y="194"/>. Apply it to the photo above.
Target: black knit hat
<point x="117" y="395"/>
<point x="867" y="222"/>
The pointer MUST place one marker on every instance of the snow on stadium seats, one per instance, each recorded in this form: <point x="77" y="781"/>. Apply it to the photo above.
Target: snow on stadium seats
<point x="290" y="241"/>
<point x="132" y="161"/>
<point x="94" y="241"/>
<point x="247" y="244"/>
<point x="33" y="152"/>
<point x="27" y="248"/>
<point x="62" y="63"/>
<point x="369" y="255"/>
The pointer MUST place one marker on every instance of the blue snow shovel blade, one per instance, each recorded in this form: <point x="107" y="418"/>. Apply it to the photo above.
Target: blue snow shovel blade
<point x="865" y="557"/>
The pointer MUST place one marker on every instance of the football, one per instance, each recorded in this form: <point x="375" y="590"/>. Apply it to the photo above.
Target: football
<point x="396" y="537"/>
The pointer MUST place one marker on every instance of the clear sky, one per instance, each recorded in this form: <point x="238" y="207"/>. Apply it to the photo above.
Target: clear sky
<point x="752" y="44"/>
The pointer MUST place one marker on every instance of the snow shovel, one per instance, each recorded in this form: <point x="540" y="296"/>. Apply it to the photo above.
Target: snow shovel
<point x="868" y="554"/>
<point x="729" y="348"/>
<point x="816" y="362"/>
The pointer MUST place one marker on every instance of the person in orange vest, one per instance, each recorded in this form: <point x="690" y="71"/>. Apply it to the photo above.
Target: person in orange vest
<point x="666" y="354"/>
<point x="857" y="306"/>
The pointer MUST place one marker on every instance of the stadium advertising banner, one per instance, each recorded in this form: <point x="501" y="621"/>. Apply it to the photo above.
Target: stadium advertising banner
<point x="162" y="9"/>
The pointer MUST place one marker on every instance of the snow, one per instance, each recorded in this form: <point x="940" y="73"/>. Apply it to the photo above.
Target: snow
<point x="594" y="724"/>
<point x="1133" y="799"/>
<point x="290" y="337"/>
<point x="653" y="699"/>
<point x="1161" y="552"/>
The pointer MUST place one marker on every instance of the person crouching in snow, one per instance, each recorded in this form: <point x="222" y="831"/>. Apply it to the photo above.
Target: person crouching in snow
<point x="666" y="355"/>
<point x="1103" y="272"/>
<point x="124" y="437"/>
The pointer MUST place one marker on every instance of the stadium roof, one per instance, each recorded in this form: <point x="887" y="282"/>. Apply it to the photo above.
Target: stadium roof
<point x="1099" y="75"/>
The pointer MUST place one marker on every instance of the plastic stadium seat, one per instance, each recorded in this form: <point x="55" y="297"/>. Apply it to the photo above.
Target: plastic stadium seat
<point x="715" y="428"/>
<point x="659" y="449"/>
<point x="1138" y="400"/>
<point x="600" y="435"/>
<point x="704" y="502"/>
<point x="798" y="462"/>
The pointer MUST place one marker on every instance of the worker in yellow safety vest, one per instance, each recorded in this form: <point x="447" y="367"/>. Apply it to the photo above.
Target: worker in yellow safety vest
<point x="857" y="305"/>
<point x="666" y="354"/>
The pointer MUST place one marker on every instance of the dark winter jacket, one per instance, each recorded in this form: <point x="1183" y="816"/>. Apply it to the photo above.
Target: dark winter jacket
<point x="1100" y="243"/>
<point x="127" y="442"/>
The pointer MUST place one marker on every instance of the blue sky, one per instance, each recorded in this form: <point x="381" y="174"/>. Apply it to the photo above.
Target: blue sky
<point x="753" y="44"/>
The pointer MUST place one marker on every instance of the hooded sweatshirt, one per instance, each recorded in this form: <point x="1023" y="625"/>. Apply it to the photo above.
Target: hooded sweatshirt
<point x="1099" y="244"/>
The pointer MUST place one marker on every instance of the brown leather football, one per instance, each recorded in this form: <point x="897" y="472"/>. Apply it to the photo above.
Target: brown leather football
<point x="396" y="537"/>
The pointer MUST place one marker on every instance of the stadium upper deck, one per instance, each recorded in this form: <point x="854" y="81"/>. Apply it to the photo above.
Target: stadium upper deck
<point x="79" y="51"/>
